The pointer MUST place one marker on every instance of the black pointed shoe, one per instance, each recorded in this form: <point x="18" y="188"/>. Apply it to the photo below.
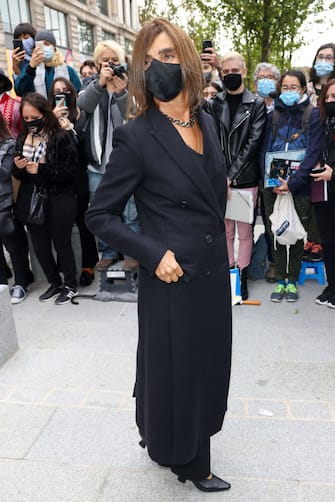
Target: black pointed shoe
<point x="214" y="484"/>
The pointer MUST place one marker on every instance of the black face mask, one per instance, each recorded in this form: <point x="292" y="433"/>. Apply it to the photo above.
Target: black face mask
<point x="164" y="80"/>
<point x="330" y="109"/>
<point x="34" y="126"/>
<point x="232" y="81"/>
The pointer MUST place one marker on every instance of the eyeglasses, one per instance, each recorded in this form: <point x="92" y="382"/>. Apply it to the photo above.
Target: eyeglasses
<point x="290" y="88"/>
<point x="270" y="77"/>
<point x="326" y="57"/>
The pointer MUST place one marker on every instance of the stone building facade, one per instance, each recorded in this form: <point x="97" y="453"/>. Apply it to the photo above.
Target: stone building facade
<point x="78" y="25"/>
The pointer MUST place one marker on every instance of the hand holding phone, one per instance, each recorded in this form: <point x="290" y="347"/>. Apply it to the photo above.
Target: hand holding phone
<point x="60" y="100"/>
<point x="318" y="170"/>
<point x="206" y="44"/>
<point x="18" y="44"/>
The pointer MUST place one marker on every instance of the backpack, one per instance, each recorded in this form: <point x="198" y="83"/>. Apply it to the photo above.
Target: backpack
<point x="258" y="263"/>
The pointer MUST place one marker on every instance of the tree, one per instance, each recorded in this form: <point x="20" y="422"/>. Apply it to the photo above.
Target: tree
<point x="262" y="30"/>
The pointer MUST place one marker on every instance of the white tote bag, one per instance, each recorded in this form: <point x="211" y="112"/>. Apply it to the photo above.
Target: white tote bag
<point x="286" y="226"/>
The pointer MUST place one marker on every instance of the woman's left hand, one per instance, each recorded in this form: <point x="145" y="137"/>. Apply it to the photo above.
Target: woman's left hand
<point x="282" y="189"/>
<point x="120" y="84"/>
<point x="326" y="175"/>
<point x="32" y="167"/>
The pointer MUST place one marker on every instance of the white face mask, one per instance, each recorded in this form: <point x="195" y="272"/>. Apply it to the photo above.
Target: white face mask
<point x="48" y="52"/>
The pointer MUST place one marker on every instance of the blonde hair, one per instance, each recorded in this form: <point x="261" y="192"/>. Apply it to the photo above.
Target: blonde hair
<point x="57" y="58"/>
<point x="234" y="55"/>
<point x="108" y="44"/>
<point x="188" y="59"/>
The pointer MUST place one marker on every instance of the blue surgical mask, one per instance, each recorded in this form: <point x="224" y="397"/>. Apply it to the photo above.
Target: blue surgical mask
<point x="28" y="45"/>
<point x="323" y="68"/>
<point x="265" y="86"/>
<point x="48" y="52"/>
<point x="290" y="98"/>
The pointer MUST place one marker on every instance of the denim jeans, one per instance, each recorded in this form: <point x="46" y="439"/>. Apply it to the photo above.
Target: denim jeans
<point x="129" y="215"/>
<point x="94" y="180"/>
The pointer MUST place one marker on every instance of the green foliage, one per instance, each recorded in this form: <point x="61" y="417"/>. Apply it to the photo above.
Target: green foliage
<point x="262" y="30"/>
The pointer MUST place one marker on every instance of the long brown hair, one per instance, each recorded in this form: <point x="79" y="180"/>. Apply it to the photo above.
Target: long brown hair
<point x="73" y="109"/>
<point x="188" y="58"/>
<point x="4" y="129"/>
<point x="323" y="98"/>
<point x="43" y="106"/>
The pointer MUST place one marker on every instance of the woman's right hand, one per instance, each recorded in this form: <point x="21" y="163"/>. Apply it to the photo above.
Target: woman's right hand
<point x="168" y="269"/>
<point x="17" y="58"/>
<point x="20" y="162"/>
<point x="60" y="110"/>
<point x="37" y="57"/>
<point x="106" y="74"/>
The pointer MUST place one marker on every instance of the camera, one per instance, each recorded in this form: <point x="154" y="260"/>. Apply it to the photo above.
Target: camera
<point x="118" y="69"/>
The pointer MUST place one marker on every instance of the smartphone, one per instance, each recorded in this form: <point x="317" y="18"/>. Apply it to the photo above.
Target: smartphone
<point x="40" y="44"/>
<point x="206" y="44"/>
<point x="59" y="98"/>
<point x="318" y="170"/>
<point x="17" y="42"/>
<point x="18" y="154"/>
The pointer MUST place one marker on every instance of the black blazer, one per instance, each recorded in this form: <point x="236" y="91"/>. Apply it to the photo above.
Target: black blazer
<point x="183" y="356"/>
<point x="149" y="159"/>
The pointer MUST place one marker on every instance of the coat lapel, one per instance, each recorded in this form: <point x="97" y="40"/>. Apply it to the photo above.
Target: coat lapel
<point x="172" y="142"/>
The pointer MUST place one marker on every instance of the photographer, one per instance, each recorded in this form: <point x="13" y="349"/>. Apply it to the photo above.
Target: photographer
<point x="104" y="101"/>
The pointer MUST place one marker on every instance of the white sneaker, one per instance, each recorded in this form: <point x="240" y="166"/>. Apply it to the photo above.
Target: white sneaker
<point x="18" y="294"/>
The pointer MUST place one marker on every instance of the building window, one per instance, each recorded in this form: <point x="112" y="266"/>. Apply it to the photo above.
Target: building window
<point x="107" y="35"/>
<point x="86" y="39"/>
<point x="103" y="6"/>
<point x="56" y="21"/>
<point x="128" y="47"/>
<point x="14" y="12"/>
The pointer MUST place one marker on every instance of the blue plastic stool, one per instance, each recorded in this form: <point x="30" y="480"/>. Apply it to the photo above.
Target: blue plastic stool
<point x="318" y="273"/>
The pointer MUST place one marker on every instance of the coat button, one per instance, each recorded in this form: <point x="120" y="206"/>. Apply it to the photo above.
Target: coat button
<point x="207" y="272"/>
<point x="184" y="204"/>
<point x="209" y="239"/>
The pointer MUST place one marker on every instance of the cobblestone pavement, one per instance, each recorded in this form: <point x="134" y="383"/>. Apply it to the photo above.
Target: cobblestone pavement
<point x="67" y="430"/>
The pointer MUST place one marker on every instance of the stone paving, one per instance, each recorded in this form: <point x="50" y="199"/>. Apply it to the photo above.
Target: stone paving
<point x="67" y="429"/>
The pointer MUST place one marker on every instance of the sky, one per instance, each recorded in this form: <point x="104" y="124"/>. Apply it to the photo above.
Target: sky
<point x="316" y="34"/>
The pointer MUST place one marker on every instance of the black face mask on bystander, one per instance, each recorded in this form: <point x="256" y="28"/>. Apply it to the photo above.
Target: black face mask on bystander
<point x="34" y="126"/>
<point x="232" y="81"/>
<point x="330" y="108"/>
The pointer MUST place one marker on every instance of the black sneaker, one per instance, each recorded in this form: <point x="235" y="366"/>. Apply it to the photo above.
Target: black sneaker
<point x="66" y="296"/>
<point x="52" y="291"/>
<point x="323" y="298"/>
<point x="331" y="302"/>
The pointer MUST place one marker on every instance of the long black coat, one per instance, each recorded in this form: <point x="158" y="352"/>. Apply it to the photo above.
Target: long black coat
<point x="184" y="349"/>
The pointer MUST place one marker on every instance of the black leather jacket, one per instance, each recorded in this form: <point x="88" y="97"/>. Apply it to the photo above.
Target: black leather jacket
<point x="240" y="142"/>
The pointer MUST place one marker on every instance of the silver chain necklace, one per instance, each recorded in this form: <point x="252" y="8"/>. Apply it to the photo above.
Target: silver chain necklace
<point x="182" y="123"/>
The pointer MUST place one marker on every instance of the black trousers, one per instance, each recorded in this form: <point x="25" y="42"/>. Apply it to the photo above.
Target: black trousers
<point x="60" y="217"/>
<point x="325" y="215"/>
<point x="89" y="252"/>
<point x="17" y="247"/>
<point x="200" y="466"/>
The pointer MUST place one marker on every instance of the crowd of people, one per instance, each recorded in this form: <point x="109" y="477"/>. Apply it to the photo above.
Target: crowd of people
<point x="178" y="136"/>
<point x="56" y="138"/>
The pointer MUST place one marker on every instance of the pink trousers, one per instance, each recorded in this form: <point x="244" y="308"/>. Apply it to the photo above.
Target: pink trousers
<point x="245" y="237"/>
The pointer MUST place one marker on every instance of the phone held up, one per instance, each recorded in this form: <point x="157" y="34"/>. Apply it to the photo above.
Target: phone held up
<point x="59" y="98"/>
<point x="17" y="43"/>
<point x="206" y="44"/>
<point x="318" y="170"/>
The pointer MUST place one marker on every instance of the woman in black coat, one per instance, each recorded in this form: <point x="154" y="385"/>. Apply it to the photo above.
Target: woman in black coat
<point x="325" y="211"/>
<point x="171" y="159"/>
<point x="47" y="157"/>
